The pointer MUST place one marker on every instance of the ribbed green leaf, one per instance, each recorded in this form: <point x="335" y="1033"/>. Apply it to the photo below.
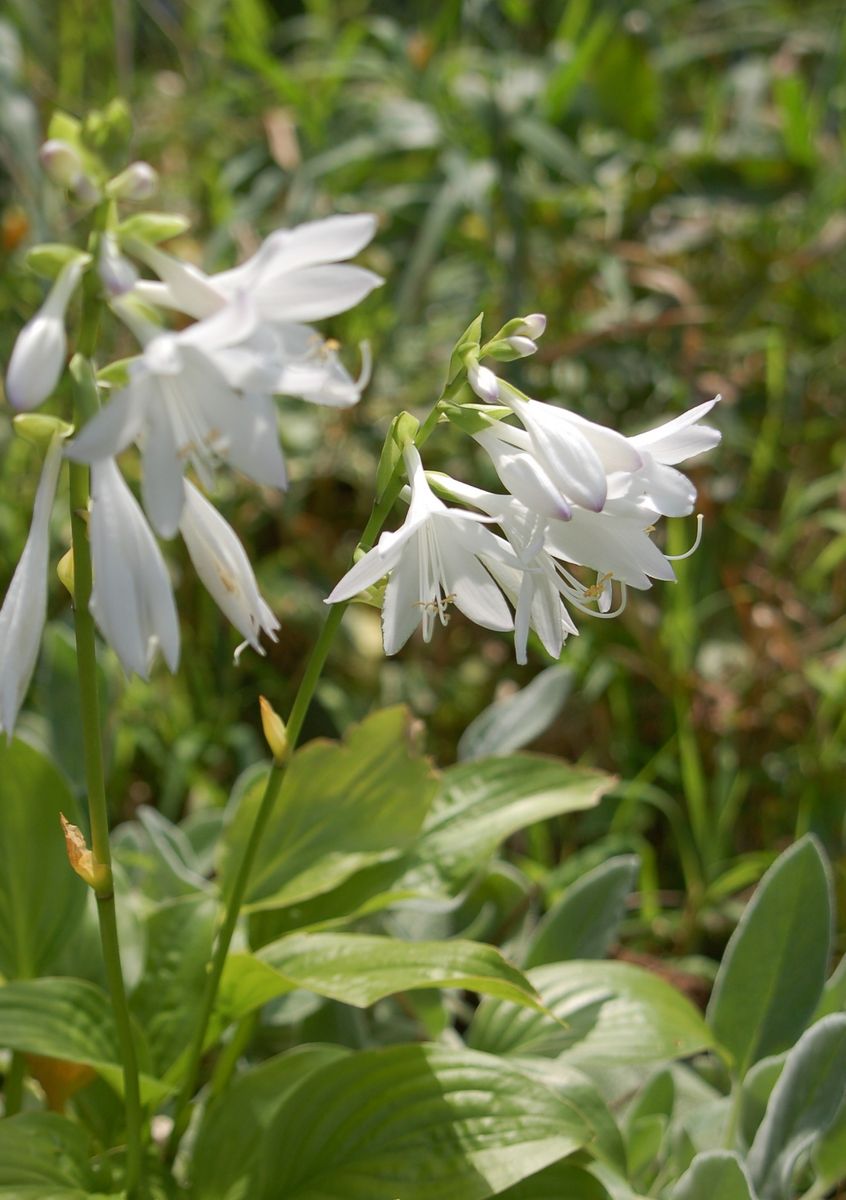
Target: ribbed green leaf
<point x="41" y="899"/>
<point x="46" y="1151"/>
<point x="612" y="1012"/>
<point x="343" y="806"/>
<point x="416" y="1122"/>
<point x="68" y="1019"/>
<point x="360" y="969"/>
<point x="561" y="1181"/>
<point x="482" y="803"/>
<point x="774" y="969"/>
<point x="225" y="1153"/>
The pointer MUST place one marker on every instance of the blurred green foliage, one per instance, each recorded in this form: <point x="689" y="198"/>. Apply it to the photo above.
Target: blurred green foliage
<point x="667" y="183"/>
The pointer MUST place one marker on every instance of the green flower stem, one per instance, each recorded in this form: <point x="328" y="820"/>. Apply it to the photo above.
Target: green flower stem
<point x="299" y="710"/>
<point x="85" y="402"/>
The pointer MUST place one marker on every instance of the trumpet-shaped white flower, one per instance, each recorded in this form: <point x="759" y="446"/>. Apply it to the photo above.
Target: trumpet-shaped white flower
<point x="296" y="275"/>
<point x="222" y="564"/>
<point x="38" y="356"/>
<point x="182" y="405"/>
<point x="132" y="600"/>
<point x="25" y="606"/>
<point x="433" y="560"/>
<point x="658" y="487"/>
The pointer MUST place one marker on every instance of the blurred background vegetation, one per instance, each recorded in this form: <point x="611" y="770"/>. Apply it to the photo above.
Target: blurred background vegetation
<point x="665" y="181"/>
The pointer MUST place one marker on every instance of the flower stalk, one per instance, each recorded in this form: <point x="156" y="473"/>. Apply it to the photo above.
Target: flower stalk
<point x="84" y="400"/>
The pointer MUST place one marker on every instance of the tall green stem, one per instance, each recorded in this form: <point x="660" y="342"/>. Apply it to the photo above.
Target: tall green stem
<point x="86" y="400"/>
<point x="299" y="710"/>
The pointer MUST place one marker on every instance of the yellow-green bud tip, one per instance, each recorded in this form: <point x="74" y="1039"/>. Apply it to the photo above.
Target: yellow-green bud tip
<point x="274" y="730"/>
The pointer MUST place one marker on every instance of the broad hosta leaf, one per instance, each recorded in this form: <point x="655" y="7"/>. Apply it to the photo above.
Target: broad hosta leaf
<point x="166" y="1000"/>
<point x="343" y="807"/>
<point x="833" y="999"/>
<point x="46" y="1151"/>
<point x="225" y="1153"/>
<point x="482" y="803"/>
<point x="561" y="1181"/>
<point x="360" y="969"/>
<point x="714" y="1175"/>
<point x="803" y="1104"/>
<point x="515" y="721"/>
<point x="417" y="1122"/>
<point x="41" y="899"/>
<point x="830" y="1152"/>
<point x="68" y="1019"/>
<point x="584" y="922"/>
<point x="774" y="969"/>
<point x="614" y="1013"/>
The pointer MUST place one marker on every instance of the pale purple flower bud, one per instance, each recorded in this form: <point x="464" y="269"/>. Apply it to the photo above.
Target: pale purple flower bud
<point x="61" y="162"/>
<point x="533" y="326"/>
<point x="483" y="382"/>
<point x="139" y="181"/>
<point x="38" y="356"/>
<point x="116" y="272"/>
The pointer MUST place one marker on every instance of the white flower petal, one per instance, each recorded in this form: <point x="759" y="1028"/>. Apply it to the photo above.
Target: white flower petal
<point x="475" y="592"/>
<point x="564" y="452"/>
<point x="162" y="487"/>
<point x="401" y="610"/>
<point x="115" y="426"/>
<point x="680" y="438"/>
<point x="314" y="292"/>
<point x="222" y="564"/>
<point x="25" y="606"/>
<point x="524" y="477"/>
<point x="132" y="601"/>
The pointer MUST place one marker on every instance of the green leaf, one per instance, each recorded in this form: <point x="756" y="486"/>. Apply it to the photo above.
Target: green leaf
<point x="167" y="999"/>
<point x="829" y="1154"/>
<point x="714" y="1175"/>
<point x="613" y="1013"/>
<point x="803" y="1104"/>
<point x="45" y="1149"/>
<point x="482" y="803"/>
<point x="41" y="899"/>
<point x="343" y="806"/>
<point x="584" y="922"/>
<point x="512" y="723"/>
<point x="833" y="998"/>
<point x="774" y="969"/>
<point x="561" y="1181"/>
<point x="359" y="969"/>
<point x="416" y="1122"/>
<point x="69" y="1019"/>
<point x="225" y="1153"/>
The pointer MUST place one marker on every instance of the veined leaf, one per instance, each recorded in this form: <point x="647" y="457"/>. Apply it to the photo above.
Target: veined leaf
<point x="360" y="969"/>
<point x="612" y="1012"/>
<point x="343" y="806"/>
<point x="417" y="1122"/>
<point x="69" y="1019"/>
<point x="41" y="899"/>
<point x="482" y="803"/>
<point x="714" y="1175"/>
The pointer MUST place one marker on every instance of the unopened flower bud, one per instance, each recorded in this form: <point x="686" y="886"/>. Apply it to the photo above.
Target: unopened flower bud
<point x="38" y="356"/>
<point x="96" y="875"/>
<point x="61" y="162"/>
<point x="533" y="326"/>
<point x="63" y="165"/>
<point x="139" y="181"/>
<point x="116" y="272"/>
<point x="275" y="733"/>
<point x="65" y="572"/>
<point x="483" y="382"/>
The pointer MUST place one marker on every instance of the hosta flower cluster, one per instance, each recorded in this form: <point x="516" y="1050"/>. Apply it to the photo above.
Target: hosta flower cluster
<point x="580" y="497"/>
<point x="192" y="399"/>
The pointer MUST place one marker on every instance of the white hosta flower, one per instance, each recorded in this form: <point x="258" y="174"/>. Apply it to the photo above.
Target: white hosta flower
<point x="658" y="487"/>
<point x="25" y="606"/>
<point x="297" y="275"/>
<point x="432" y="561"/>
<point x="182" y="407"/>
<point x="38" y="356"/>
<point x="222" y="564"/>
<point x="132" y="600"/>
